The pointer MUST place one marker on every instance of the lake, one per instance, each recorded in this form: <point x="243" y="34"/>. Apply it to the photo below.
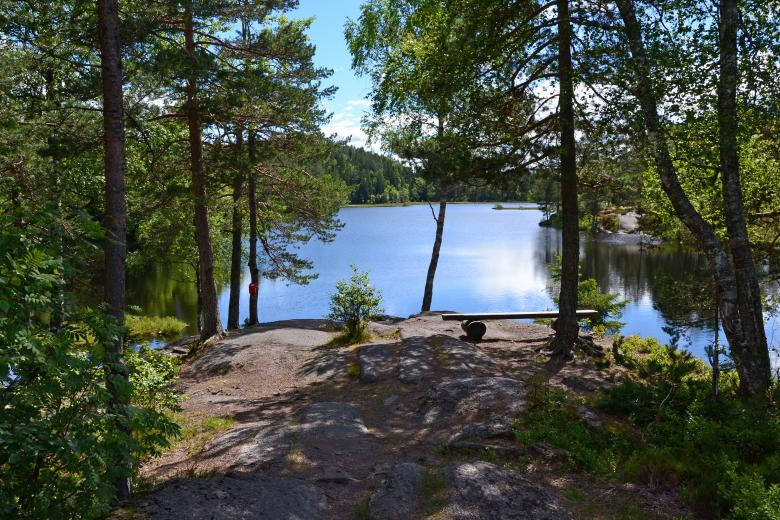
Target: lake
<point x="491" y="260"/>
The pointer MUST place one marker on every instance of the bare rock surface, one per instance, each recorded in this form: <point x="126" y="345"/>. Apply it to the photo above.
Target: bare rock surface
<point x="460" y="357"/>
<point x="481" y="490"/>
<point x="397" y="498"/>
<point x="309" y="441"/>
<point x="474" y="397"/>
<point x="495" y="428"/>
<point x="378" y="362"/>
<point x="251" y="445"/>
<point x="227" y="498"/>
<point x="417" y="362"/>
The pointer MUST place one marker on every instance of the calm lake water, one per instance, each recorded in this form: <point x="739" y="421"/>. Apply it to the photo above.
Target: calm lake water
<point x="490" y="261"/>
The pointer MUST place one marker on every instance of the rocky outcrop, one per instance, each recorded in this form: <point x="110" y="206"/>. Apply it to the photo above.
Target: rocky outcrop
<point x="227" y="498"/>
<point x="474" y="398"/>
<point x="397" y="498"/>
<point x="378" y="362"/>
<point x="483" y="491"/>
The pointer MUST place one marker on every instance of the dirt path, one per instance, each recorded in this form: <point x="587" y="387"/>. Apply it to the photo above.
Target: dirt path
<point x="416" y="424"/>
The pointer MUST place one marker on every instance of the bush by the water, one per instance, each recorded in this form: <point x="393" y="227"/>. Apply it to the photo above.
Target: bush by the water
<point x="665" y="428"/>
<point x="354" y="303"/>
<point x="147" y="328"/>
<point x="608" y="306"/>
<point x="61" y="450"/>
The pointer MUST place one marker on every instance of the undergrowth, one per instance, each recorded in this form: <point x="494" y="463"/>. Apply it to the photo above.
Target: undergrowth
<point x="665" y="428"/>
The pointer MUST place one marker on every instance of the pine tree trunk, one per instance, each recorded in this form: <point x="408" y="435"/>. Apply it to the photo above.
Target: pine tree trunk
<point x="755" y="354"/>
<point x="115" y="245"/>
<point x="428" y="294"/>
<point x="752" y="377"/>
<point x="567" y="328"/>
<point x="254" y="272"/>
<point x="58" y="238"/>
<point x="237" y="231"/>
<point x="211" y="323"/>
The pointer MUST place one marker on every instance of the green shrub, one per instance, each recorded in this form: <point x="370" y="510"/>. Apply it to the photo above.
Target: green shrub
<point x="608" y="306"/>
<point x="723" y="454"/>
<point x="61" y="450"/>
<point x="354" y="303"/>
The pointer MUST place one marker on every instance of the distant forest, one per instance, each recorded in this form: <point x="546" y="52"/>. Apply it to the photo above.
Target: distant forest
<point x="375" y="179"/>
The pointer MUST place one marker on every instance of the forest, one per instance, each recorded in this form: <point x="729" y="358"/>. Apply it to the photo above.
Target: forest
<point x="188" y="133"/>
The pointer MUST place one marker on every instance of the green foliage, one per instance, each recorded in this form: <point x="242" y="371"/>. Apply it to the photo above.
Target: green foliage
<point x="552" y="418"/>
<point x="152" y="374"/>
<point x="724" y="454"/>
<point x="60" y="445"/>
<point x="146" y="328"/>
<point x="589" y="296"/>
<point x="354" y="303"/>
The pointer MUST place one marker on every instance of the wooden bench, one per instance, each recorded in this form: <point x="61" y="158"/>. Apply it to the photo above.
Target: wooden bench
<point x="473" y="326"/>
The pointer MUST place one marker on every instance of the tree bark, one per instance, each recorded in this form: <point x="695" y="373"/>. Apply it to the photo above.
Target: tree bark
<point x="211" y="323"/>
<point x="567" y="328"/>
<point x="237" y="231"/>
<point x="254" y="272"/>
<point x="751" y="381"/>
<point x="428" y="294"/>
<point x="755" y="356"/>
<point x="57" y="231"/>
<point x="115" y="244"/>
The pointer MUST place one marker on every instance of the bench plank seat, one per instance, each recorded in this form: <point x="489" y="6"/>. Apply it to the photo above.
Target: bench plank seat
<point x="512" y="315"/>
<point x="472" y="323"/>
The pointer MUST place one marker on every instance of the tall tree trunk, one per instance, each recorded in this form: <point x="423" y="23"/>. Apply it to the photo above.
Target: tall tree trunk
<point x="428" y="294"/>
<point x="237" y="231"/>
<point x="116" y="244"/>
<point x="755" y="356"/>
<point x="58" y="236"/>
<point x="254" y="272"/>
<point x="752" y="380"/>
<point x="567" y="328"/>
<point x="211" y="323"/>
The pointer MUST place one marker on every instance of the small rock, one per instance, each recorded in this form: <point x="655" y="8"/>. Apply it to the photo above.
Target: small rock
<point x="390" y="401"/>
<point x="335" y="476"/>
<point x="398" y="496"/>
<point x="589" y="417"/>
<point x="497" y="427"/>
<point x="582" y="384"/>
<point x="548" y="452"/>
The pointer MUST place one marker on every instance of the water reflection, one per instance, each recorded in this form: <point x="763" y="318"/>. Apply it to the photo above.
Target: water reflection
<point x="490" y="261"/>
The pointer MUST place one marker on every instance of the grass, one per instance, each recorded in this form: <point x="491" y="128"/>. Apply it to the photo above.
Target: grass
<point x="363" y="509"/>
<point x="195" y="435"/>
<point x="147" y="328"/>
<point x="347" y="340"/>
<point x="353" y="370"/>
<point x="434" y="492"/>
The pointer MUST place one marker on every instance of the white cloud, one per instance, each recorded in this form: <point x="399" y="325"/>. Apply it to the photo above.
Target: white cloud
<point x="346" y="123"/>
<point x="364" y="103"/>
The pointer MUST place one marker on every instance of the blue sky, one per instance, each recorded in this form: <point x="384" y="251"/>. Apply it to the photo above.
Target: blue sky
<point x="327" y="33"/>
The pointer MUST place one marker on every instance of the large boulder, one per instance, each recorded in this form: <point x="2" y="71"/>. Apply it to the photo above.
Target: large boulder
<point x="474" y="398"/>
<point x="378" y="362"/>
<point x="483" y="491"/>
<point x="397" y="498"/>
<point x="226" y="498"/>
